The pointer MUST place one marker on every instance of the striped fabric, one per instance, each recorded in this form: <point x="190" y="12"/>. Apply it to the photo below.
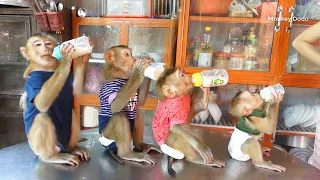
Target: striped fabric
<point x="107" y="94"/>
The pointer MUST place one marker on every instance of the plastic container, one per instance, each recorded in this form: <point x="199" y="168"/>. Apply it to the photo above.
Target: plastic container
<point x="81" y="45"/>
<point x="266" y="93"/>
<point x="42" y="21"/>
<point x="210" y="78"/>
<point x="221" y="61"/>
<point x="154" y="71"/>
<point x="125" y="8"/>
<point x="236" y="61"/>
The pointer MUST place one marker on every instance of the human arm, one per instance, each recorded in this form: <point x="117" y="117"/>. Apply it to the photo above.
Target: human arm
<point x="303" y="43"/>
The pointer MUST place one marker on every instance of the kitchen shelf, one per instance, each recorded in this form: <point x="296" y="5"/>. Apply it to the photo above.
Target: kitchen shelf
<point x="230" y="19"/>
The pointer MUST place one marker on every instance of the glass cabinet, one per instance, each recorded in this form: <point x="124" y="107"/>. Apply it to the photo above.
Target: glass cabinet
<point x="146" y="37"/>
<point x="252" y="40"/>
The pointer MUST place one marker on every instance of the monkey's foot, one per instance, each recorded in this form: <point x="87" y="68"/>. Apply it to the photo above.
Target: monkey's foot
<point x="266" y="151"/>
<point x="104" y="141"/>
<point x="205" y="153"/>
<point x="146" y="148"/>
<point x="214" y="163"/>
<point x="171" y="152"/>
<point x="271" y="166"/>
<point x="82" y="152"/>
<point x="138" y="157"/>
<point x="62" y="158"/>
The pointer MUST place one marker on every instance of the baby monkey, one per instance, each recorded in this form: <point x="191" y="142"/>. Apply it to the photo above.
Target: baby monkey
<point x="180" y="101"/>
<point x="256" y="118"/>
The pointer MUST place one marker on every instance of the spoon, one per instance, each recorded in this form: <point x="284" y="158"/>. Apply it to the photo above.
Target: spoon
<point x="60" y="7"/>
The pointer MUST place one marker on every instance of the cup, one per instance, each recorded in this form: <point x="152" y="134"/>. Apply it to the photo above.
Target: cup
<point x="266" y="93"/>
<point x="154" y="71"/>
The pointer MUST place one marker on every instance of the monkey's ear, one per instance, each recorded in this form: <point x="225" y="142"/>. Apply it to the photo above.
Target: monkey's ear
<point x="246" y="111"/>
<point x="109" y="56"/>
<point x="169" y="92"/>
<point x="24" y="52"/>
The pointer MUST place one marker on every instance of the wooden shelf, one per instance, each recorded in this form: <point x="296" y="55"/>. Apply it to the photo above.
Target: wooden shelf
<point x="230" y="19"/>
<point x="240" y="76"/>
<point x="300" y="80"/>
<point x="141" y="22"/>
<point x="93" y="100"/>
<point x="310" y="22"/>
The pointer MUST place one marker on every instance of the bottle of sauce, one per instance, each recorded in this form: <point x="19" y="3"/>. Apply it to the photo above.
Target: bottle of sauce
<point x="210" y="78"/>
<point x="205" y="56"/>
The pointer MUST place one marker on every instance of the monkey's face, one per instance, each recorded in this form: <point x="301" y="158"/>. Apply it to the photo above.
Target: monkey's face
<point x="39" y="51"/>
<point x="177" y="84"/>
<point x="124" y="60"/>
<point x="253" y="100"/>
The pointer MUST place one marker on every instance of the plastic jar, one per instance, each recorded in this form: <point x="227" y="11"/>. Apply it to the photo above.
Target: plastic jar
<point x="236" y="61"/>
<point x="222" y="60"/>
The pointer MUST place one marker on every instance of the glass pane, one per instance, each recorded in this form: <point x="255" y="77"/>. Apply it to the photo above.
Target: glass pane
<point x="152" y="42"/>
<point x="104" y="37"/>
<point x="94" y="77"/>
<point x="295" y="62"/>
<point x="217" y="113"/>
<point x="307" y="9"/>
<point x="14" y="33"/>
<point x="220" y="35"/>
<point x="12" y="81"/>
<point x="299" y="111"/>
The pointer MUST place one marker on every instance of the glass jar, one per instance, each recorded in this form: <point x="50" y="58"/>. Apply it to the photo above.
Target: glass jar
<point x="222" y="60"/>
<point x="251" y="64"/>
<point x="236" y="61"/>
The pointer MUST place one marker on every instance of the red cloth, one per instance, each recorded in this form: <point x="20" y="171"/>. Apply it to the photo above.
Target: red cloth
<point x="170" y="112"/>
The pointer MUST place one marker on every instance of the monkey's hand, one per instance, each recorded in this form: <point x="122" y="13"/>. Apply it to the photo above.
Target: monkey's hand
<point x="277" y="97"/>
<point x="147" y="147"/>
<point x="205" y="153"/>
<point x="266" y="151"/>
<point x="218" y="163"/>
<point x="271" y="166"/>
<point x="139" y="157"/>
<point x="139" y="67"/>
<point x="82" y="152"/>
<point x="67" y="52"/>
<point x="63" y="158"/>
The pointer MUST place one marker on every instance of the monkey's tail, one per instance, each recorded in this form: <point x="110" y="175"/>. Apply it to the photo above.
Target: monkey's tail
<point x="23" y="102"/>
<point x="171" y="171"/>
<point x="115" y="157"/>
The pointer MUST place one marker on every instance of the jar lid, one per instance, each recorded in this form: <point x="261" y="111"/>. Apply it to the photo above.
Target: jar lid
<point x="222" y="54"/>
<point x="236" y="55"/>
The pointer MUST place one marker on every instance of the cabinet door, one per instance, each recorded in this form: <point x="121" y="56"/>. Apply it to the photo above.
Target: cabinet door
<point x="14" y="32"/>
<point x="220" y="36"/>
<point x="305" y="14"/>
<point x="104" y="37"/>
<point x="152" y="42"/>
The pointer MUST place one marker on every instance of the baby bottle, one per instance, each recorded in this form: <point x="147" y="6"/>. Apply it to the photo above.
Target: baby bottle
<point x="154" y="71"/>
<point x="81" y="45"/>
<point x="266" y="93"/>
<point x="210" y="78"/>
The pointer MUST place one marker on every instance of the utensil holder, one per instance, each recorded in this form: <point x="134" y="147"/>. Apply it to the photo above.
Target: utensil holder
<point x="55" y="20"/>
<point x="42" y="20"/>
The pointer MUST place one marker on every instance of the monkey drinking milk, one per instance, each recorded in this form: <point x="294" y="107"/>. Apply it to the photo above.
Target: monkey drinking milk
<point x="47" y="102"/>
<point x="256" y="118"/>
<point x="180" y="102"/>
<point x="125" y="89"/>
